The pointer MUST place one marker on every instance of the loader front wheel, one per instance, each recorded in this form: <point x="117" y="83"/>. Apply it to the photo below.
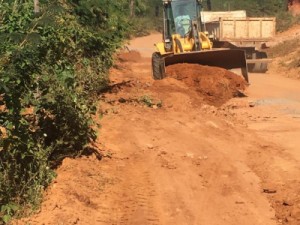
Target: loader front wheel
<point x="158" y="69"/>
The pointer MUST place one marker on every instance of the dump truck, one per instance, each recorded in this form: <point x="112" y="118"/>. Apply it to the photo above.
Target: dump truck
<point x="210" y="38"/>
<point x="237" y="31"/>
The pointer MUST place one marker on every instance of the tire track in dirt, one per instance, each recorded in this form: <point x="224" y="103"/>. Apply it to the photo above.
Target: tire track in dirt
<point x="137" y="197"/>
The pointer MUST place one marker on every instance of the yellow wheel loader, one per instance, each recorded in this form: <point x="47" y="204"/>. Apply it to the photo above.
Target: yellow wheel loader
<point x="186" y="41"/>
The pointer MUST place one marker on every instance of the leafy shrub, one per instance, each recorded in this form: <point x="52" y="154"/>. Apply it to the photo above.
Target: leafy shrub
<point x="143" y="26"/>
<point x="284" y="48"/>
<point x="52" y="65"/>
<point x="285" y="20"/>
<point x="261" y="8"/>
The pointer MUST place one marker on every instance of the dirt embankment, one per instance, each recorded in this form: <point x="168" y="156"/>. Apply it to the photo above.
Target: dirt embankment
<point x="294" y="6"/>
<point x="285" y="52"/>
<point x="215" y="85"/>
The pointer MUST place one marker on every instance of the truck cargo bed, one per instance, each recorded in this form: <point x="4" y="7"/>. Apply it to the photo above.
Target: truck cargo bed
<point x="242" y="29"/>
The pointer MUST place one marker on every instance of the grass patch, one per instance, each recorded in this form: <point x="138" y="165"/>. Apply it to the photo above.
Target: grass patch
<point x="150" y="102"/>
<point x="142" y="26"/>
<point x="295" y="63"/>
<point x="284" y="48"/>
<point x="288" y="52"/>
<point x="285" y="20"/>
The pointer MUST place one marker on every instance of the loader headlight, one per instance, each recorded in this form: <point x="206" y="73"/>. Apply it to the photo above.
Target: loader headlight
<point x="168" y="46"/>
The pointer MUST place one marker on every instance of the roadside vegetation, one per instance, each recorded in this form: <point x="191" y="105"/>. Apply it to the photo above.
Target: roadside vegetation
<point x="284" y="48"/>
<point x="286" y="57"/>
<point x="257" y="8"/>
<point x="150" y="17"/>
<point x="53" y="63"/>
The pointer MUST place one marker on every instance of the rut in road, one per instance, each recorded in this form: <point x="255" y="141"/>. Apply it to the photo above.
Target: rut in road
<point x="137" y="194"/>
<point x="132" y="200"/>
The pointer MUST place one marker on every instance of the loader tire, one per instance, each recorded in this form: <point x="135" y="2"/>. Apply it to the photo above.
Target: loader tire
<point x="157" y="66"/>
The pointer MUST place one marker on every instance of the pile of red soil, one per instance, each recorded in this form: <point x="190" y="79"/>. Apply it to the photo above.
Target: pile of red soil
<point x="215" y="85"/>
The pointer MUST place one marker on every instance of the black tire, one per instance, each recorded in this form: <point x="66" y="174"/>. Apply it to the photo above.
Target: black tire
<point x="158" y="69"/>
<point x="259" y="67"/>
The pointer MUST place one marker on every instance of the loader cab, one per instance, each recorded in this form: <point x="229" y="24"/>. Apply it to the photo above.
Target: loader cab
<point x="178" y="18"/>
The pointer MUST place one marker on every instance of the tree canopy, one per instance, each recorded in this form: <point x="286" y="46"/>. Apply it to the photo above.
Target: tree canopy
<point x="253" y="7"/>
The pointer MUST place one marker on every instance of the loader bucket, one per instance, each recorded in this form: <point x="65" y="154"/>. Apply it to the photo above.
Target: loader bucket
<point x="225" y="58"/>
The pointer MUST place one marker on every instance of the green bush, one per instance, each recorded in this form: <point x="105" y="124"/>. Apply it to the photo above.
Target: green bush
<point x="142" y="26"/>
<point x="284" y="48"/>
<point x="52" y="65"/>
<point x="285" y="20"/>
<point x="260" y="8"/>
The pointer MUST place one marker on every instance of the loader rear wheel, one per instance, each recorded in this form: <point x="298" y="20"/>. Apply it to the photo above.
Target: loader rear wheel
<point x="158" y="69"/>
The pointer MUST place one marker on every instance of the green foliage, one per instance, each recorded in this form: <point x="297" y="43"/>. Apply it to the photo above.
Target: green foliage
<point x="150" y="102"/>
<point x="285" y="20"/>
<point x="143" y="26"/>
<point x="295" y="63"/>
<point x="149" y="13"/>
<point x="253" y="7"/>
<point x="147" y="100"/>
<point x="147" y="17"/>
<point x="260" y="8"/>
<point x="52" y="65"/>
<point x="284" y="48"/>
<point x="8" y="211"/>
<point x="288" y="50"/>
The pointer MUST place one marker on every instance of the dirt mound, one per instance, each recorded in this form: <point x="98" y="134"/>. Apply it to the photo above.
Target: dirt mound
<point x="286" y="56"/>
<point x="216" y="85"/>
<point x="131" y="56"/>
<point x="294" y="7"/>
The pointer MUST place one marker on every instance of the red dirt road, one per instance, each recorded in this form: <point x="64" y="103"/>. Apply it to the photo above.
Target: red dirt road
<point x="182" y="161"/>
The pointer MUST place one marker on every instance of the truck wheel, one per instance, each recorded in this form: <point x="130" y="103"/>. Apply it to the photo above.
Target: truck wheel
<point x="157" y="66"/>
<point x="259" y="67"/>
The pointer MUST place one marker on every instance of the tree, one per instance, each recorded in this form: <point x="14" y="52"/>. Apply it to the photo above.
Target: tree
<point x="132" y="10"/>
<point x="36" y="6"/>
<point x="253" y="7"/>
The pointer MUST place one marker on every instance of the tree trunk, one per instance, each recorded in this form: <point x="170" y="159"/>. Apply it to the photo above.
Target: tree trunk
<point x="132" y="9"/>
<point x="36" y="6"/>
<point x="209" y="5"/>
<point x="157" y="11"/>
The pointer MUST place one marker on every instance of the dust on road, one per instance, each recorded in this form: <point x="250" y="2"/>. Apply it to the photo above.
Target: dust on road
<point x="187" y="162"/>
